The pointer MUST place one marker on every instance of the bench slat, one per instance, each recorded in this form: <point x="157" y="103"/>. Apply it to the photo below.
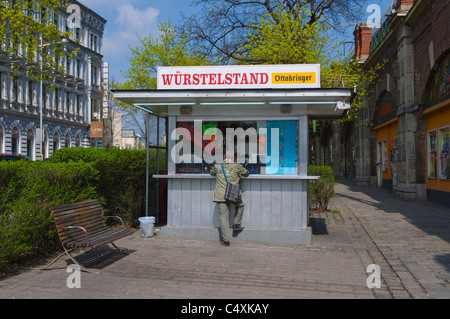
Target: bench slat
<point x="66" y="207"/>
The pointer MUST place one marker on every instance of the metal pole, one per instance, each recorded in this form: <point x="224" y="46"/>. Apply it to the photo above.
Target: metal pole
<point x="157" y="168"/>
<point x="41" y="128"/>
<point x="146" y="174"/>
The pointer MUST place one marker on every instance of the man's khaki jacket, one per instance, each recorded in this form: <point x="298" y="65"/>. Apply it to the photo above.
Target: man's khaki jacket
<point x="234" y="172"/>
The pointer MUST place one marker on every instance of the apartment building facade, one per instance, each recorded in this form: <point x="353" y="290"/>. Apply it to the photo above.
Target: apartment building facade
<point x="71" y="106"/>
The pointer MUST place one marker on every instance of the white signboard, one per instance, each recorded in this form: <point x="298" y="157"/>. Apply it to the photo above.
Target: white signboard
<point x="239" y="77"/>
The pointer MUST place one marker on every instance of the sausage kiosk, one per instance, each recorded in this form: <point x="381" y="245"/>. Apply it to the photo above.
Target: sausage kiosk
<point x="261" y="113"/>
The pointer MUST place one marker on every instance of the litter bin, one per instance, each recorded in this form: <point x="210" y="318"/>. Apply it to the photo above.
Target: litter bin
<point x="147" y="226"/>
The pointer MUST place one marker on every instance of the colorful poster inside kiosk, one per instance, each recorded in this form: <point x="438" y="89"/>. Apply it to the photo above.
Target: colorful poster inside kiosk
<point x="265" y="147"/>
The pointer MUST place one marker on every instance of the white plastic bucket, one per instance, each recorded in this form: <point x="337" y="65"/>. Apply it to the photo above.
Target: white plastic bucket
<point x="147" y="226"/>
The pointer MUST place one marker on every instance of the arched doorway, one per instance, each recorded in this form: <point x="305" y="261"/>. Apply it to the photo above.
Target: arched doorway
<point x="55" y="141"/>
<point x="30" y="144"/>
<point x="15" y="140"/>
<point x="67" y="141"/>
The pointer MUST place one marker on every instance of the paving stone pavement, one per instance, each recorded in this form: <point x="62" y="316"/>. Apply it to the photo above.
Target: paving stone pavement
<point x="408" y="240"/>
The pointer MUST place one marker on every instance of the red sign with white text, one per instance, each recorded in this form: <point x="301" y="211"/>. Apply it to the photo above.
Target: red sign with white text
<point x="239" y="77"/>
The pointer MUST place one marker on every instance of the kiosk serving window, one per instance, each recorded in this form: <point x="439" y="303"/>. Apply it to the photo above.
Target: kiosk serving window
<point x="264" y="147"/>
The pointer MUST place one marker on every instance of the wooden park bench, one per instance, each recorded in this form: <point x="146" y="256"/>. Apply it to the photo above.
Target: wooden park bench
<point x="82" y="225"/>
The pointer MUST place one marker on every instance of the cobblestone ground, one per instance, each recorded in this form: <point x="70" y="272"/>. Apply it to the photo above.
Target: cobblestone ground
<point x="408" y="240"/>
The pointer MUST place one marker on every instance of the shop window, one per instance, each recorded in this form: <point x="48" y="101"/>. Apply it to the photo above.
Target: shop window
<point x="264" y="147"/>
<point x="384" y="155"/>
<point x="444" y="150"/>
<point x="432" y="152"/>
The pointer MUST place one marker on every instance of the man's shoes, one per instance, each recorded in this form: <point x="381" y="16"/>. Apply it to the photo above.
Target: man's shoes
<point x="238" y="227"/>
<point x="225" y="243"/>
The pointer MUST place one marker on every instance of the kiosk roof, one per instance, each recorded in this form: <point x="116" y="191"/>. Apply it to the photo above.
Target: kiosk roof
<point x="320" y="102"/>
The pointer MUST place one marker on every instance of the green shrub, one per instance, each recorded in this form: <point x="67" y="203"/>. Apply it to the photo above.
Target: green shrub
<point x="27" y="191"/>
<point x="321" y="190"/>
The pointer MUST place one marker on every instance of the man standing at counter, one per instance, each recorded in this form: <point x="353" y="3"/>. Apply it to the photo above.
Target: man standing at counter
<point x="233" y="173"/>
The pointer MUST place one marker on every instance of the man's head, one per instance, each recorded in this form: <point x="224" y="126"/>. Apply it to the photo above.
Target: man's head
<point x="229" y="154"/>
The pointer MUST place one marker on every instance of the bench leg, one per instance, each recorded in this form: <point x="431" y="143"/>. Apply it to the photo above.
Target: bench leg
<point x="79" y="265"/>
<point x="54" y="260"/>
<point x="73" y="259"/>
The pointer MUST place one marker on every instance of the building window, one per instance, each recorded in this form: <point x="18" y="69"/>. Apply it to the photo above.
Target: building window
<point x="44" y="96"/>
<point x="94" y="76"/>
<point x="15" y="89"/>
<point x="30" y="144"/>
<point x="78" y="68"/>
<point x="93" y="42"/>
<point x="432" y="152"/>
<point x="67" y="102"/>
<point x="68" y="65"/>
<point x="95" y="108"/>
<point x="77" y="141"/>
<point x="1" y="139"/>
<point x="79" y="99"/>
<point x="57" y="95"/>
<point x="444" y="150"/>
<point x="15" y="141"/>
<point x="78" y="34"/>
<point x="30" y="92"/>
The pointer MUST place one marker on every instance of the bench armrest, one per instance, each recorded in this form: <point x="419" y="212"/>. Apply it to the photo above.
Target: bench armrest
<point x="79" y="227"/>
<point x="116" y="217"/>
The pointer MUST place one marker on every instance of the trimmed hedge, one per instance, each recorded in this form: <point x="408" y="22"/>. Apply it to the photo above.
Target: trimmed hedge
<point x="322" y="189"/>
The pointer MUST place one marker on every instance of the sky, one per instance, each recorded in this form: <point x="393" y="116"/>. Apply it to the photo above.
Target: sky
<point x="130" y="19"/>
<point x="127" y="20"/>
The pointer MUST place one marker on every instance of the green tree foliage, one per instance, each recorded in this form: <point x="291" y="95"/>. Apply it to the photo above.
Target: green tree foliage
<point x="281" y="37"/>
<point x="30" y="39"/>
<point x="169" y="49"/>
